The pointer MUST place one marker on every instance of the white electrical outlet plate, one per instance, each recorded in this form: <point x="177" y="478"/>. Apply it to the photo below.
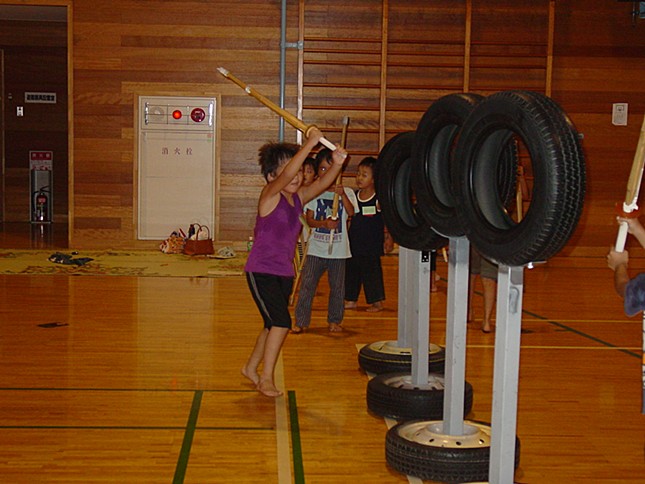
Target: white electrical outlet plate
<point x="619" y="114"/>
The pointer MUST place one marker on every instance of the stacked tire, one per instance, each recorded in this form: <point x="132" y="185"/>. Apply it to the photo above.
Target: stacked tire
<point x="456" y="176"/>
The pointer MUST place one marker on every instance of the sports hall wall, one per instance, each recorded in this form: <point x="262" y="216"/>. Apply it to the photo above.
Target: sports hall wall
<point x="380" y="62"/>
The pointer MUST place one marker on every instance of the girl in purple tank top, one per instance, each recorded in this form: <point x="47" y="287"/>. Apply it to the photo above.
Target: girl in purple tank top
<point x="269" y="269"/>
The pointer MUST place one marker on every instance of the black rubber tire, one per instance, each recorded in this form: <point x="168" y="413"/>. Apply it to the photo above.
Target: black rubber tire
<point x="398" y="202"/>
<point x="372" y="359"/>
<point x="392" y="395"/>
<point x="434" y="168"/>
<point x="558" y="169"/>
<point x="435" y="463"/>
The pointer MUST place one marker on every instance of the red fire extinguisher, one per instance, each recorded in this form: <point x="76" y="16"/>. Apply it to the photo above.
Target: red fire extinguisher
<point x="41" y="205"/>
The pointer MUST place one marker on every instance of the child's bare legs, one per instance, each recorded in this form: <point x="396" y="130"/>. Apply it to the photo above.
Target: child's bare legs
<point x="250" y="369"/>
<point x="375" y="307"/>
<point x="350" y="304"/>
<point x="272" y="346"/>
<point x="433" y="281"/>
<point x="471" y="293"/>
<point x="490" y="293"/>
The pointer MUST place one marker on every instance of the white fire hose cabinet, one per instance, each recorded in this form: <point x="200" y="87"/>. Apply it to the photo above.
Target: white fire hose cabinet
<point x="176" y="164"/>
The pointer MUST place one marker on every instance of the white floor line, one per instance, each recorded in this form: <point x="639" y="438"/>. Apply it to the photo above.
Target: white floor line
<point x="282" y="427"/>
<point x="602" y="348"/>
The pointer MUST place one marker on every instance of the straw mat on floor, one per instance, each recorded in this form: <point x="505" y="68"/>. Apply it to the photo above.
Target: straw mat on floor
<point x="120" y="263"/>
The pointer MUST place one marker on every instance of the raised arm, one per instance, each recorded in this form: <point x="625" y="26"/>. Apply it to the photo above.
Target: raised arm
<point x="294" y="165"/>
<point x="321" y="184"/>
<point x="618" y="262"/>
<point x="635" y="228"/>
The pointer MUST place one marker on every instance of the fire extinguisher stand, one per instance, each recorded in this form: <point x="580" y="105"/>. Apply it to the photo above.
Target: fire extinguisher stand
<point x="41" y="184"/>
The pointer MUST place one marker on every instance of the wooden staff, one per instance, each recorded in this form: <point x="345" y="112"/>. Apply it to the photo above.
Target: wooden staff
<point x="630" y="207"/>
<point x="633" y="188"/>
<point x="301" y="260"/>
<point x="288" y="117"/>
<point x="521" y="191"/>
<point x="334" y="205"/>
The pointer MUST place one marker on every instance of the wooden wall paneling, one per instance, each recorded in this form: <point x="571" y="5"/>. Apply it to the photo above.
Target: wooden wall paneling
<point x="2" y="137"/>
<point x="595" y="56"/>
<point x="549" y="50"/>
<point x="509" y="46"/>
<point x="425" y="59"/>
<point x="468" y="29"/>
<point x="342" y="72"/>
<point x="179" y="46"/>
<point x="300" y="71"/>
<point x="385" y="35"/>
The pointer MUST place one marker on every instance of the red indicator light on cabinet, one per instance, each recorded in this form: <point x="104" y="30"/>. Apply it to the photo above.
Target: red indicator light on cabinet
<point x="197" y="115"/>
<point x="176" y="114"/>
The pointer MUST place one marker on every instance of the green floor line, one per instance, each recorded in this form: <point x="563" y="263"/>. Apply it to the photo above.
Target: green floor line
<point x="298" y="468"/>
<point x="87" y="427"/>
<point x="160" y="390"/>
<point x="130" y="427"/>
<point x="184" y="454"/>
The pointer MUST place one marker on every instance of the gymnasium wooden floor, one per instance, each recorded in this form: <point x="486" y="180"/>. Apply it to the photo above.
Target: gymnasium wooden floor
<point x="137" y="380"/>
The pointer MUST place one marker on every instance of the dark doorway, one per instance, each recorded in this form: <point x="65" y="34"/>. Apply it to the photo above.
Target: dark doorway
<point x="35" y="122"/>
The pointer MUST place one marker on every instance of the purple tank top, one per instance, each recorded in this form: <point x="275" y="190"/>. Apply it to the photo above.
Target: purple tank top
<point x="274" y="239"/>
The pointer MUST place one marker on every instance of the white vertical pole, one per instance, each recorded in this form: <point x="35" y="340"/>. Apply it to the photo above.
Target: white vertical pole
<point x="456" y="316"/>
<point x="420" y="317"/>
<point x="403" y="338"/>
<point x="510" y="287"/>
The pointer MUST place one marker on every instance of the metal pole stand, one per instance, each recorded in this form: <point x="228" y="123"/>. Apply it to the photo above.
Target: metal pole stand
<point x="395" y="356"/>
<point x="456" y="317"/>
<point x="510" y="287"/>
<point x="451" y="449"/>
<point x="414" y="310"/>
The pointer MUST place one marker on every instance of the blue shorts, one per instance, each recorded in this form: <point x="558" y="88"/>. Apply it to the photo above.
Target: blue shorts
<point x="271" y="295"/>
<point x="635" y="295"/>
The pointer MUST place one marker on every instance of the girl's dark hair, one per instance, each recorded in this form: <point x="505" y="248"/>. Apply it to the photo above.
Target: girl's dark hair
<point x="272" y="155"/>
<point x="323" y="155"/>
<point x="311" y="162"/>
<point x="368" y="161"/>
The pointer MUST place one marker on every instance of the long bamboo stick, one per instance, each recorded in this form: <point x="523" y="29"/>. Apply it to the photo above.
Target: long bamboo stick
<point x="630" y="207"/>
<point x="288" y="117"/>
<point x="335" y="202"/>
<point x="633" y="188"/>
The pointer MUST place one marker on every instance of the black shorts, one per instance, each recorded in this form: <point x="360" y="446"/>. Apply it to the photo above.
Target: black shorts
<point x="271" y="295"/>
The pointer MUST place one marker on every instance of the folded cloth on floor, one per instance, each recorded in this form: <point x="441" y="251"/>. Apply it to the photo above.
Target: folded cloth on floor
<point x="223" y="253"/>
<point x="60" y="258"/>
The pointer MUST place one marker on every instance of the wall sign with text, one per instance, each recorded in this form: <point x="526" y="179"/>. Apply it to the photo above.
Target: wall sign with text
<point x="40" y="97"/>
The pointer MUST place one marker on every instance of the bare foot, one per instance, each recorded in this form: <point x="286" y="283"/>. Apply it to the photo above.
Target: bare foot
<point x="485" y="327"/>
<point x="350" y="304"/>
<point x="251" y="375"/>
<point x="268" y="388"/>
<point x="335" y="328"/>
<point x="375" y="308"/>
<point x="297" y="330"/>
